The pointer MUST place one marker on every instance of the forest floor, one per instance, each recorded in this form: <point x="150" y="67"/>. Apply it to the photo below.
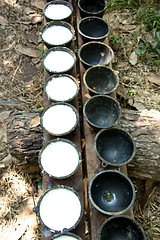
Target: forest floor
<point x="21" y="88"/>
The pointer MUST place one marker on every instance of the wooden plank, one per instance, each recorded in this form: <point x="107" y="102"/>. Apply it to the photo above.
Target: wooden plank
<point x="74" y="181"/>
<point x="93" y="164"/>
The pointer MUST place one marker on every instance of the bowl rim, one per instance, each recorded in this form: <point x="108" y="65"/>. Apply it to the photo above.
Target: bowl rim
<point x="96" y="18"/>
<point x="62" y="49"/>
<point x="101" y="96"/>
<point x="58" y="76"/>
<point x="122" y="175"/>
<point x="125" y="217"/>
<point x="57" y="23"/>
<point x="65" y="233"/>
<point x="37" y="208"/>
<point x="105" y="162"/>
<point x="55" y="104"/>
<point x="63" y="2"/>
<point x="55" y="141"/>
<point x="92" y="13"/>
<point x="100" y="66"/>
<point x="96" y="43"/>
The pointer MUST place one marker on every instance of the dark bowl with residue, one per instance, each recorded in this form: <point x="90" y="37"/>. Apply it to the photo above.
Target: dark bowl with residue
<point x="102" y="112"/>
<point x="111" y="192"/>
<point x="100" y="80"/>
<point x="95" y="53"/>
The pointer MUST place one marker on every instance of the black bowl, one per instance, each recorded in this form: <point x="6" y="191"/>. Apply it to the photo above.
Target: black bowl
<point x="114" y="146"/>
<point x="102" y="111"/>
<point x="121" y="228"/>
<point x="111" y="192"/>
<point x="61" y="61"/>
<point x="55" y="3"/>
<point x="59" y="119"/>
<point x="50" y="209"/>
<point x="92" y="7"/>
<point x="100" y="80"/>
<point x="95" y="53"/>
<point x="64" y="234"/>
<point x="61" y="90"/>
<point x="93" y="28"/>
<point x="63" y="24"/>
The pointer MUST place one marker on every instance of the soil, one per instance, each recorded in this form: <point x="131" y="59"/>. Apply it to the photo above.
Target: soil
<point x="22" y="81"/>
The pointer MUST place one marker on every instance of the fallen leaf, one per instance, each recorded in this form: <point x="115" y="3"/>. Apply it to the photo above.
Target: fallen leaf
<point x="83" y="143"/>
<point x="133" y="58"/>
<point x="3" y="21"/>
<point x="31" y="52"/>
<point x="35" y="122"/>
<point x="38" y="4"/>
<point x="2" y="165"/>
<point x="7" y="160"/>
<point x="37" y="19"/>
<point x="154" y="78"/>
<point x="28" y="11"/>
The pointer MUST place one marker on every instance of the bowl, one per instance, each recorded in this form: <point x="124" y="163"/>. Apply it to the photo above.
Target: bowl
<point x="93" y="29"/>
<point x="95" y="53"/>
<point x="61" y="87"/>
<point x="59" y="208"/>
<point x="57" y="33"/>
<point x="66" y="235"/>
<point x="58" y="10"/>
<point x="58" y="60"/>
<point x="121" y="228"/>
<point x="114" y="146"/>
<point x="111" y="192"/>
<point x="59" y="119"/>
<point x="100" y="80"/>
<point x="102" y="112"/>
<point x="92" y="7"/>
<point x="60" y="158"/>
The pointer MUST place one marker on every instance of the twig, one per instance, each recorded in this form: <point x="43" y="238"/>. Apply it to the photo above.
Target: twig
<point x="14" y="74"/>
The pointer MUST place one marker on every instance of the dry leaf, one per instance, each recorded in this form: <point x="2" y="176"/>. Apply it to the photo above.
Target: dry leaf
<point x="154" y="78"/>
<point x="133" y="58"/>
<point x="31" y="52"/>
<point x="37" y="19"/>
<point x="3" y="21"/>
<point x="83" y="143"/>
<point x="35" y="122"/>
<point x="38" y="4"/>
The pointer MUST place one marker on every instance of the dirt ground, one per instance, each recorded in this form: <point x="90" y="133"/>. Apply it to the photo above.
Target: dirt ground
<point x="21" y="88"/>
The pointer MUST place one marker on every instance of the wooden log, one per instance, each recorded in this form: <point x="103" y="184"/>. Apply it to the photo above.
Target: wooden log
<point x="144" y="126"/>
<point x="25" y="142"/>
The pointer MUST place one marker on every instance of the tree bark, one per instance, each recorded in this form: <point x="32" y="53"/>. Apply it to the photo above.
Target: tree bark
<point x="144" y="126"/>
<point x="25" y="141"/>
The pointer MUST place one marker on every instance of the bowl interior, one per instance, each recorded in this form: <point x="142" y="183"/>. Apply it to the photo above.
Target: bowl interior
<point x="93" y="27"/>
<point x="57" y="33"/>
<point x="121" y="228"/>
<point x="102" y="111"/>
<point x="52" y="118"/>
<point x="111" y="192"/>
<point x="115" y="146"/>
<point x="61" y="87"/>
<point x="58" y="10"/>
<point x="59" y="59"/>
<point x="59" y="208"/>
<point x="92" y="6"/>
<point x="101" y="80"/>
<point x="95" y="53"/>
